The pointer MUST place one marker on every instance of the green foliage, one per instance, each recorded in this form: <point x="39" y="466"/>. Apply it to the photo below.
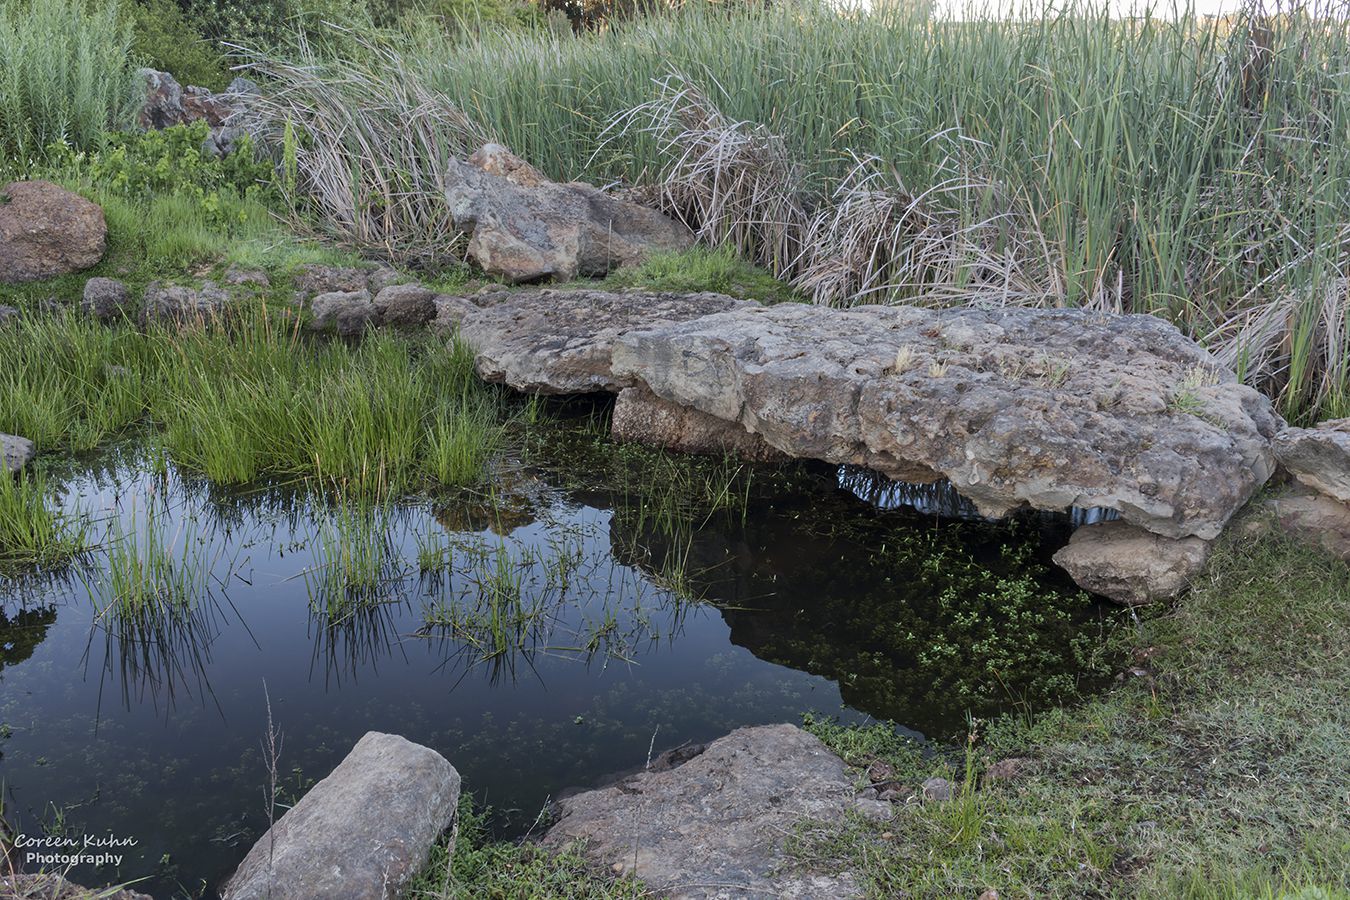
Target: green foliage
<point x="481" y="867"/>
<point x="1212" y="778"/>
<point x="335" y="25"/>
<point x="31" y="532"/>
<point x="166" y="40"/>
<point x="66" y="75"/>
<point x="703" y="269"/>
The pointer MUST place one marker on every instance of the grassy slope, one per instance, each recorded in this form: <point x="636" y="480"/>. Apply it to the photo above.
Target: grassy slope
<point x="1220" y="773"/>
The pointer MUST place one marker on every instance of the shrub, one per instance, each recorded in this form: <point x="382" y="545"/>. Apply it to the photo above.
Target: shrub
<point x="66" y="75"/>
<point x="166" y="40"/>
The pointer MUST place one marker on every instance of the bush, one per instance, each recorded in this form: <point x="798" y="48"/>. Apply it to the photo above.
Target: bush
<point x="66" y="75"/>
<point x="165" y="39"/>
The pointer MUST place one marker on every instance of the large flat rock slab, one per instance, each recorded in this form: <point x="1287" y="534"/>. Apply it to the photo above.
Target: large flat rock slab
<point x="714" y="827"/>
<point x="561" y="341"/>
<point x="1017" y="407"/>
<point x="361" y="833"/>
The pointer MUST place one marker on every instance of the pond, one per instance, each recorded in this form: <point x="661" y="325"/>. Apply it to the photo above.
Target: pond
<point x="595" y="602"/>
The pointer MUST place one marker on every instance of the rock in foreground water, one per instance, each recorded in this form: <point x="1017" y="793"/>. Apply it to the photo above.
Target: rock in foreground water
<point x="1017" y="407"/>
<point x="360" y="833"/>
<point x="714" y="827"/>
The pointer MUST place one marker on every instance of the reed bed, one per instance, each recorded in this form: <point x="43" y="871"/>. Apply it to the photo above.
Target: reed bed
<point x="1182" y="166"/>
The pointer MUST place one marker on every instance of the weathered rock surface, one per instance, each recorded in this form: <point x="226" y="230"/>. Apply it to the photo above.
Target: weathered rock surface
<point x="318" y="279"/>
<point x="1318" y="457"/>
<point x="1131" y="565"/>
<point x="561" y="341"/>
<point x="18" y="452"/>
<point x="358" y="834"/>
<point x="525" y="228"/>
<point x="714" y="827"/>
<point x="642" y="417"/>
<point x="1315" y="519"/>
<point x="406" y="305"/>
<point x="180" y="305"/>
<point x="9" y="315"/>
<point x="347" y="313"/>
<point x="54" y="887"/>
<point x="168" y="103"/>
<point x="46" y="230"/>
<point x="106" y="299"/>
<point x="1017" y="407"/>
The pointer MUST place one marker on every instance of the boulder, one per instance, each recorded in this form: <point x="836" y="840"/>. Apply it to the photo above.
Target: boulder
<point x="406" y="305"/>
<point x="1315" y="519"/>
<point x="642" y="417"/>
<point x="163" y="103"/>
<point x="382" y="278"/>
<point x="714" y="827"/>
<point x="359" y="834"/>
<point x="525" y="228"/>
<point x="238" y="275"/>
<point x="560" y="341"/>
<point x="9" y="315"/>
<point x="168" y="103"/>
<point x="317" y="279"/>
<point x="348" y="313"/>
<point x="1016" y="407"/>
<point x="106" y="299"/>
<point x="18" y="452"/>
<point x="1130" y="565"/>
<point x="46" y="230"/>
<point x="174" y="304"/>
<point x="1318" y="457"/>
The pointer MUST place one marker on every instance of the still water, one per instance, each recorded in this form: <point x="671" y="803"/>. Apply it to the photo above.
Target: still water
<point x="594" y="602"/>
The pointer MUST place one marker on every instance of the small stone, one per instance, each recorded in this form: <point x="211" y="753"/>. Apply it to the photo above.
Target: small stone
<point x="876" y="810"/>
<point x="937" y="789"/>
<point x="105" y="299"/>
<point x="880" y="771"/>
<point x="1006" y="769"/>
<point x="236" y="275"/>
<point x="347" y="313"/>
<point x="989" y="894"/>
<point x="869" y="793"/>
<point x="406" y="305"/>
<point x="315" y="279"/>
<point x="9" y="315"/>
<point x="898" y="794"/>
<point x="382" y="278"/>
<point x="18" y="452"/>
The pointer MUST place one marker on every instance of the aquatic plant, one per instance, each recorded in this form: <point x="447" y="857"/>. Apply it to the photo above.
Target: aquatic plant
<point x="31" y="531"/>
<point x="355" y="562"/>
<point x="155" y="568"/>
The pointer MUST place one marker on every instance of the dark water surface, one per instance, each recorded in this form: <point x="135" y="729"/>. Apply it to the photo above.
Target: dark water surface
<point x="813" y="599"/>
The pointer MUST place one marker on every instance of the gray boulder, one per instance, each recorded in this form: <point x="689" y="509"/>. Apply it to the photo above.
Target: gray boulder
<point x="106" y="299"/>
<point x="523" y="227"/>
<point x="18" y="452"/>
<point x="1130" y="565"/>
<point x="561" y="341"/>
<point x="359" y="834"/>
<point x="173" y="304"/>
<point x="347" y="313"/>
<point x="315" y="279"/>
<point x="9" y="315"/>
<point x="1017" y="407"/>
<point x="1315" y="519"/>
<point x="1318" y="457"/>
<point x="237" y="275"/>
<point x="714" y="827"/>
<point x="642" y="417"/>
<point x="406" y="305"/>
<point x="46" y="230"/>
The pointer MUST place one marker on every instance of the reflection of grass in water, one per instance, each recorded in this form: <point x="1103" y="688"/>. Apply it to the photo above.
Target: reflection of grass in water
<point x="31" y="532"/>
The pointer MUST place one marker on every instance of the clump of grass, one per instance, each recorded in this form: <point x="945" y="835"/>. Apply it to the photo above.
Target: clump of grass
<point x="31" y="532"/>
<point x="703" y="269"/>
<point x="354" y="561"/>
<point x="151" y="574"/>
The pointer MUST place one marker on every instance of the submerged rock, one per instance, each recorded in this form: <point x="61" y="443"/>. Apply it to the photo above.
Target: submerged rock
<point x="18" y="452"/>
<point x="1130" y="565"/>
<point x="561" y="341"/>
<point x="714" y="827"/>
<point x="524" y="228"/>
<point x="1318" y="457"/>
<point x="46" y="230"/>
<point x="106" y="299"/>
<point x="1017" y="407"/>
<point x="347" y="313"/>
<point x="361" y="833"/>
